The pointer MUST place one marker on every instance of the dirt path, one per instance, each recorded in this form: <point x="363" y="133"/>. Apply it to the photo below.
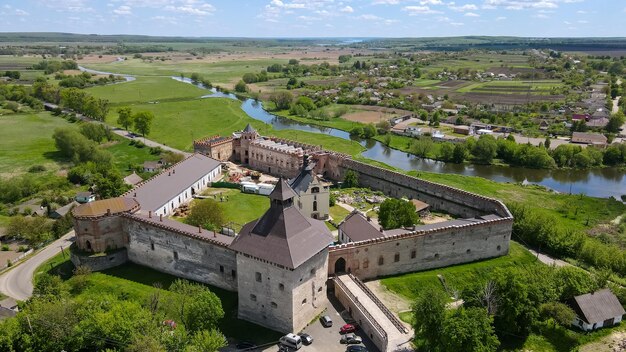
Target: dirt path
<point x="616" y="342"/>
<point x="394" y="302"/>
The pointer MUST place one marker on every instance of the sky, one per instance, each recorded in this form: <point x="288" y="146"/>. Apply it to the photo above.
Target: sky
<point x="318" y="18"/>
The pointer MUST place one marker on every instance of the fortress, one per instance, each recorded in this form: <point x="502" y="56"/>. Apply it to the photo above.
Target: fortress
<point x="280" y="263"/>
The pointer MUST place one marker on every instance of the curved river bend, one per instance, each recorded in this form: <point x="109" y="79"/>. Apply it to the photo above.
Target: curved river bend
<point x="604" y="183"/>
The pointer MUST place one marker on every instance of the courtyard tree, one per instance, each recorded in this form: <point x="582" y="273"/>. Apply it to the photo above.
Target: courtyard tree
<point x="350" y="179"/>
<point x="395" y="213"/>
<point x="206" y="213"/>
<point x="143" y="122"/>
<point x="125" y="117"/>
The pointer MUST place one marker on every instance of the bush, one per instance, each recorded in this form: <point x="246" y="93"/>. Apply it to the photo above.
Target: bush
<point x="5" y="247"/>
<point x="37" y="168"/>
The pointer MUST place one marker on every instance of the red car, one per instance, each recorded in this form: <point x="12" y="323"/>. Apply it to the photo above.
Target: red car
<point x="347" y="328"/>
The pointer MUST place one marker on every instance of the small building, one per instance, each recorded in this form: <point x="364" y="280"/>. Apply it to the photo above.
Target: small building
<point x="8" y="308"/>
<point x="152" y="166"/>
<point x="413" y="131"/>
<point x="581" y="117"/>
<point x="313" y="198"/>
<point x="420" y="207"/>
<point x="85" y="197"/>
<point x="62" y="211"/>
<point x="357" y="227"/>
<point x="596" y="310"/>
<point x="482" y="131"/>
<point x="589" y="138"/>
<point x="132" y="179"/>
<point x="462" y="129"/>
<point x="216" y="147"/>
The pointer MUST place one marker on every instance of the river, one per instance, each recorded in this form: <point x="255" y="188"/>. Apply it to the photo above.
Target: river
<point x="603" y="183"/>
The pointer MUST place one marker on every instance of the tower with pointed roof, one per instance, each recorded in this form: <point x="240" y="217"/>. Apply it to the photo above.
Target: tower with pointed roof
<point x="247" y="135"/>
<point x="282" y="260"/>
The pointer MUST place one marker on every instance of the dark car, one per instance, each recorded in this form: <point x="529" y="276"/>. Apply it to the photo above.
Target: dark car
<point x="306" y="338"/>
<point x="356" y="348"/>
<point x="347" y="328"/>
<point x="326" y="321"/>
<point x="245" y="345"/>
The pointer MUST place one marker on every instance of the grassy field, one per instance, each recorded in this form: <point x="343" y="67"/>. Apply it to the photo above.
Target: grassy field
<point x="512" y="87"/>
<point x="338" y="213"/>
<point x="460" y="276"/>
<point x="240" y="208"/>
<point x="479" y="61"/>
<point x="135" y="282"/>
<point x="26" y="140"/>
<point x="147" y="89"/>
<point x="126" y="156"/>
<point x="224" y="72"/>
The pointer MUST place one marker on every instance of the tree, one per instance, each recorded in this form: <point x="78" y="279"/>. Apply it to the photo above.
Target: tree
<point x="394" y="213"/>
<point x="485" y="149"/>
<point x="369" y="130"/>
<point x="422" y="146"/>
<point x="208" y="214"/>
<point x="561" y="313"/>
<point x="206" y="341"/>
<point x="143" y="122"/>
<point x="446" y="153"/>
<point x="615" y="122"/>
<point x="241" y="87"/>
<point x="350" y="179"/>
<point x="94" y="131"/>
<point x="204" y="311"/>
<point x="125" y="117"/>
<point x="469" y="329"/>
<point x="547" y="142"/>
<point x="282" y="100"/>
<point x="429" y="313"/>
<point x="460" y="153"/>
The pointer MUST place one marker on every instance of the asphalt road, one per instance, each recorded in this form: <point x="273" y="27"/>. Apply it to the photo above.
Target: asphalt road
<point x="18" y="281"/>
<point x="148" y="142"/>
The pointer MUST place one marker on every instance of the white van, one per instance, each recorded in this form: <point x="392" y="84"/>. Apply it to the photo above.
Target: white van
<point x="291" y="340"/>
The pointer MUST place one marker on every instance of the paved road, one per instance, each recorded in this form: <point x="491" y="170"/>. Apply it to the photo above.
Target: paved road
<point x="544" y="258"/>
<point x="18" y="282"/>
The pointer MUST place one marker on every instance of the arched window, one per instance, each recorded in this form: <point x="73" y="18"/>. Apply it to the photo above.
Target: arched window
<point x="88" y="245"/>
<point x="381" y="260"/>
<point x="314" y="205"/>
<point x="315" y="190"/>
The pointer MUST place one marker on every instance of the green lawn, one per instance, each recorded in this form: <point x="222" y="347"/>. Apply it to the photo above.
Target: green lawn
<point x="135" y="282"/>
<point x="241" y="208"/>
<point x="459" y="276"/>
<point x="338" y="213"/>
<point x="125" y="155"/>
<point x="147" y="89"/>
<point x="26" y="140"/>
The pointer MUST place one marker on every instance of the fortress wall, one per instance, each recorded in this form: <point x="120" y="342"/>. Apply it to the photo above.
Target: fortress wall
<point x="440" y="197"/>
<point x="183" y="256"/>
<point x="423" y="251"/>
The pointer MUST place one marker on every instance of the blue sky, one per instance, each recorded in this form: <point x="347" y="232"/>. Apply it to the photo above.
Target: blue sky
<point x="318" y="18"/>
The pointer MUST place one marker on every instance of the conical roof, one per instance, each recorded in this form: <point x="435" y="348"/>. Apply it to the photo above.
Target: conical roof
<point x="282" y="191"/>
<point x="249" y="129"/>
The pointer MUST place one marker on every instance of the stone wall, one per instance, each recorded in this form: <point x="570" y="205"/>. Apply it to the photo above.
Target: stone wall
<point x="274" y="161"/>
<point x="422" y="250"/>
<point x="279" y="298"/>
<point x="183" y="256"/>
<point x="99" y="262"/>
<point x="99" y="234"/>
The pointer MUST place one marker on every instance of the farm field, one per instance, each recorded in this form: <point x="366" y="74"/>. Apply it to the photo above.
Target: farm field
<point x="147" y="89"/>
<point x="512" y="87"/>
<point x="480" y="61"/>
<point x="26" y="140"/>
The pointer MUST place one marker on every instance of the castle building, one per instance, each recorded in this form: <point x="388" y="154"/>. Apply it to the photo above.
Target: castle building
<point x="282" y="261"/>
<point x="313" y="195"/>
<point x="216" y="147"/>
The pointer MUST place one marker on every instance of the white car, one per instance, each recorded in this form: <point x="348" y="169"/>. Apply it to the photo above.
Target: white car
<point x="350" y="339"/>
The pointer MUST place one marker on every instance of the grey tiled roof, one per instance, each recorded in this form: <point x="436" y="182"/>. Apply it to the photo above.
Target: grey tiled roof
<point x="155" y="192"/>
<point x="249" y="129"/>
<point x="283" y="235"/>
<point x="357" y="228"/>
<point x="301" y="182"/>
<point x="598" y="306"/>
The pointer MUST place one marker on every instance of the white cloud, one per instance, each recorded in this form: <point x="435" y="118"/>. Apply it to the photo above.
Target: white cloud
<point x="501" y="18"/>
<point x="369" y="17"/>
<point x="347" y="9"/>
<point x="466" y="7"/>
<point x="385" y="2"/>
<point x="457" y="23"/>
<point x="68" y="5"/>
<point x="472" y="14"/>
<point x="431" y="2"/>
<point x="19" y="12"/>
<point x="123" y="10"/>
<point x="583" y="21"/>
<point x="419" y="10"/>
<point x="541" y="16"/>
<point x="525" y="4"/>
<point x="190" y="9"/>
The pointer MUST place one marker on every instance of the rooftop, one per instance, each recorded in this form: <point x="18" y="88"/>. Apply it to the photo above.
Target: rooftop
<point x="301" y="182"/>
<point x="155" y="192"/>
<point x="598" y="306"/>
<point x="283" y="235"/>
<point x="188" y="230"/>
<point x="101" y="207"/>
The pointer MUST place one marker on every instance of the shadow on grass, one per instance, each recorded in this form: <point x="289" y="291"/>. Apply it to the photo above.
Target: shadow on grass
<point x="230" y="325"/>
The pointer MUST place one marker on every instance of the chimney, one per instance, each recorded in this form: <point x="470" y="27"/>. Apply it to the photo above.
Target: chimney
<point x="135" y="195"/>
<point x="169" y="173"/>
<point x="150" y="214"/>
<point x="108" y="211"/>
<point x="214" y="234"/>
<point x="173" y="171"/>
<point x="369" y="218"/>
<point x="381" y="229"/>
<point x="199" y="229"/>
<point x="161" y="217"/>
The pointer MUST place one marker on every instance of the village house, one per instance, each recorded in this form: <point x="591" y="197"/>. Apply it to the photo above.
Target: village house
<point x="85" y="197"/>
<point x="132" y="179"/>
<point x="421" y="208"/>
<point x="152" y="166"/>
<point x="597" y="310"/>
<point x="589" y="138"/>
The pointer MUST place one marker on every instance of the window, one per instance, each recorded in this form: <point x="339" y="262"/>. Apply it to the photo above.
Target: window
<point x="437" y="255"/>
<point x="281" y="287"/>
<point x="366" y="264"/>
<point x="258" y="277"/>
<point x="152" y="245"/>
<point x="221" y="268"/>
<point x="274" y="305"/>
<point x="381" y="260"/>
<point x="253" y="298"/>
<point x="413" y="254"/>
<point x="304" y="301"/>
<point x="313" y="271"/>
<point x="396" y="257"/>
<point x="499" y="247"/>
<point x="175" y="255"/>
<point x="233" y="273"/>
<point x="468" y="251"/>
<point x="319" y="289"/>
<point x="314" y="205"/>
<point x="315" y="190"/>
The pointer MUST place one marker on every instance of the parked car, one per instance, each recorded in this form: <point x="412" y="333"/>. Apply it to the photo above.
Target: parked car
<point x="292" y="341"/>
<point x="356" y="348"/>
<point x="306" y="338"/>
<point x="347" y="328"/>
<point x="326" y="321"/>
<point x="350" y="339"/>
